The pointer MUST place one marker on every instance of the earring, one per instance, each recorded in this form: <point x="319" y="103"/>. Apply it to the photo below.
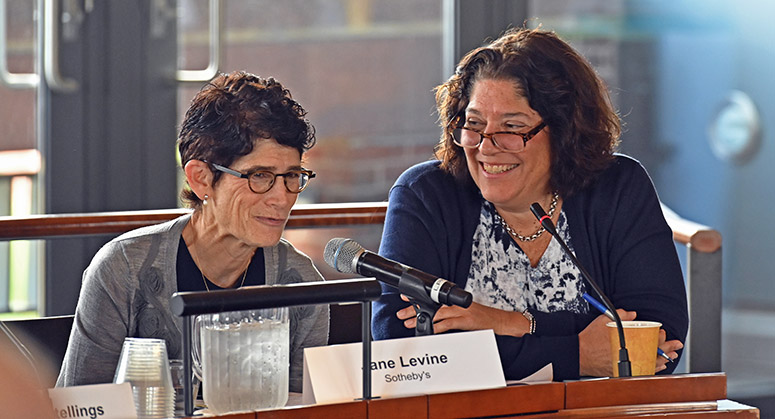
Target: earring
<point x="204" y="201"/>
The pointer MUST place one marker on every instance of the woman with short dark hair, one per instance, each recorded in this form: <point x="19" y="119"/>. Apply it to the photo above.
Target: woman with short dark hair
<point x="241" y="147"/>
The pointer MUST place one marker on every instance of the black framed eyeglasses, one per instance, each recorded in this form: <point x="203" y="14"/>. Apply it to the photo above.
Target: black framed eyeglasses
<point x="511" y="142"/>
<point x="261" y="181"/>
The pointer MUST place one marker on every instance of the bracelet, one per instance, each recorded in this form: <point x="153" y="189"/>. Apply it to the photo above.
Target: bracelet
<point x="531" y="320"/>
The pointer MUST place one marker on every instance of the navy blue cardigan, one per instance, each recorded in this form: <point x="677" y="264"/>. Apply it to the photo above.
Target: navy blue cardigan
<point x="619" y="235"/>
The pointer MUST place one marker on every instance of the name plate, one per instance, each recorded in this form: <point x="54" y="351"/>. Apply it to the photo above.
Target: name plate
<point x="404" y="367"/>
<point x="104" y="401"/>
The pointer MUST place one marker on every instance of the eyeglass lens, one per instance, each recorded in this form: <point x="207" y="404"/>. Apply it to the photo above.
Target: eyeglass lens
<point x="471" y="138"/>
<point x="261" y="182"/>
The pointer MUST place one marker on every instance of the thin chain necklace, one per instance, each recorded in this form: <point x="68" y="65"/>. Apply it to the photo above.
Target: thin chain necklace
<point x="244" y="275"/>
<point x="537" y="234"/>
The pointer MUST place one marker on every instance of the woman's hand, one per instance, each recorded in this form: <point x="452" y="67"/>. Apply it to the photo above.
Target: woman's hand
<point x="669" y="348"/>
<point x="475" y="317"/>
<point x="595" y="346"/>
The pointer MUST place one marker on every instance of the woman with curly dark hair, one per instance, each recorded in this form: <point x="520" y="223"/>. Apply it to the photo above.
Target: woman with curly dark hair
<point x="526" y="119"/>
<point x="241" y="147"/>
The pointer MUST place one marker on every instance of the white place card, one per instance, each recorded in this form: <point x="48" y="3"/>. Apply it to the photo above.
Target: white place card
<point x="403" y="367"/>
<point x="104" y="401"/>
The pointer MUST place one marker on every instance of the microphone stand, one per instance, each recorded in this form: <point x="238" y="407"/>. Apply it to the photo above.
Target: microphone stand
<point x="625" y="368"/>
<point x="424" y="306"/>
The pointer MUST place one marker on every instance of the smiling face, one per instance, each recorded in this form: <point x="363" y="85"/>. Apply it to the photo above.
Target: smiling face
<point x="511" y="181"/>
<point x="255" y="219"/>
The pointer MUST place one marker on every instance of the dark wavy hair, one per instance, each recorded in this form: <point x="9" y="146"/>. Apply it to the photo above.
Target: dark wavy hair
<point x="230" y="113"/>
<point x="559" y="84"/>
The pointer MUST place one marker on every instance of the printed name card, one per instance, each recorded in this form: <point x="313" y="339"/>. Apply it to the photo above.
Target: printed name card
<point x="403" y="367"/>
<point x="104" y="401"/>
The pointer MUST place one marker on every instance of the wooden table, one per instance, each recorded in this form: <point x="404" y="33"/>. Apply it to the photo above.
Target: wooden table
<point x="676" y="396"/>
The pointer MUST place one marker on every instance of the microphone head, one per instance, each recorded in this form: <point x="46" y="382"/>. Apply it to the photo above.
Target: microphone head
<point x="543" y="218"/>
<point x="537" y="210"/>
<point x="342" y="255"/>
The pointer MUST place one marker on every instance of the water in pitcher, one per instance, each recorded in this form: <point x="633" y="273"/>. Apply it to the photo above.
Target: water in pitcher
<point x="245" y="365"/>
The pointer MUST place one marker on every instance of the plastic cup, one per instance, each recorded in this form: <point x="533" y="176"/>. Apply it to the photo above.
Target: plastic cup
<point x="144" y="364"/>
<point x="642" y="340"/>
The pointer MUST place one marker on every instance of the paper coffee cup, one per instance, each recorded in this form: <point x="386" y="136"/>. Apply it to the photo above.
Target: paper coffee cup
<point x="642" y="340"/>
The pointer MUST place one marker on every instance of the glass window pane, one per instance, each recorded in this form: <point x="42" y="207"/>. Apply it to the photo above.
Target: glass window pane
<point x="364" y="70"/>
<point x="17" y="104"/>
<point x="19" y="158"/>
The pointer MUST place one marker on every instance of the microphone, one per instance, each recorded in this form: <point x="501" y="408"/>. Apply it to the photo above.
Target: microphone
<point x="546" y="222"/>
<point x="347" y="256"/>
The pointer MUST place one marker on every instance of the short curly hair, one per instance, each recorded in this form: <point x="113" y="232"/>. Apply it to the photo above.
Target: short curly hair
<point x="230" y="113"/>
<point x="559" y="84"/>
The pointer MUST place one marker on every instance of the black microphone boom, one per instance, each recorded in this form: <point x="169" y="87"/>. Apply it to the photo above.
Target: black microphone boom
<point x="347" y="256"/>
<point x="625" y="369"/>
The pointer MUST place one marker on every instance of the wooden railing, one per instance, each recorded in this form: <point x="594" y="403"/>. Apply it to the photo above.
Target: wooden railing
<point x="703" y="244"/>
<point x="84" y="224"/>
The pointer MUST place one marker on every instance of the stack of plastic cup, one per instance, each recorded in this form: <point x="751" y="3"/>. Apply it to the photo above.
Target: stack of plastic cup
<point x="144" y="364"/>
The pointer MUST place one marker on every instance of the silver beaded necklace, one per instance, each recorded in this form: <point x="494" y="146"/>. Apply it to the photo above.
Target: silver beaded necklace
<point x="537" y="234"/>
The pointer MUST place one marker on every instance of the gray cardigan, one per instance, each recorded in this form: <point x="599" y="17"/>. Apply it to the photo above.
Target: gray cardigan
<point x="126" y="292"/>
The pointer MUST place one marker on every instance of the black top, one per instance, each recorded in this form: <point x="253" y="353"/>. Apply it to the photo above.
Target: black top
<point x="190" y="278"/>
<point x="619" y="235"/>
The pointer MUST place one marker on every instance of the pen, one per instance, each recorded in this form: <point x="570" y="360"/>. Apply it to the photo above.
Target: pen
<point x="662" y="353"/>
<point x="599" y="306"/>
<point x="608" y="314"/>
